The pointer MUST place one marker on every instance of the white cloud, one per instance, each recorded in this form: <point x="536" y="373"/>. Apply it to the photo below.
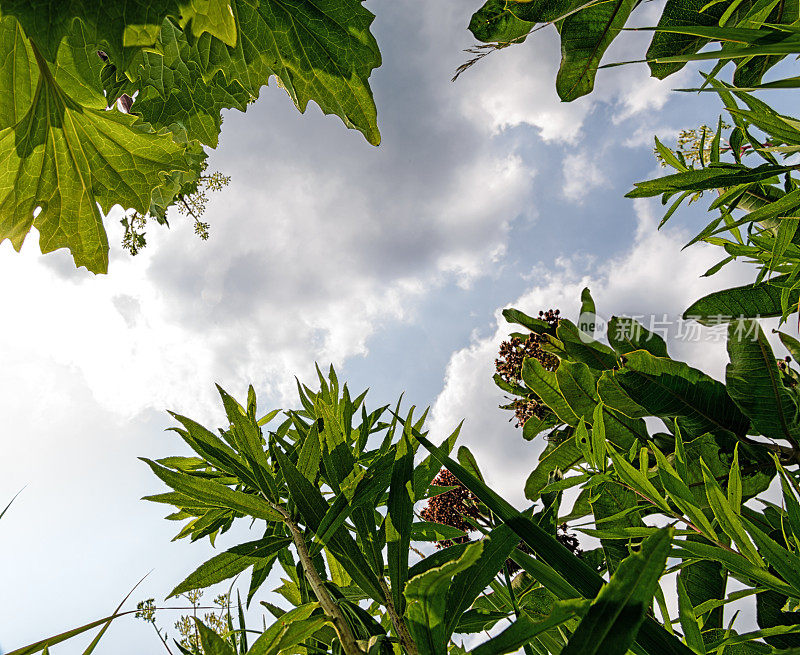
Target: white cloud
<point x="516" y="86"/>
<point x="581" y="174"/>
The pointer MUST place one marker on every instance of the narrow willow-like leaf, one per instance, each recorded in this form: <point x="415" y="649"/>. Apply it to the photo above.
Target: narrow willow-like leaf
<point x="478" y="620"/>
<point x="612" y="622"/>
<point x="426" y="595"/>
<point x="785" y="563"/>
<point x="247" y="435"/>
<point x="210" y="641"/>
<point x="688" y="620"/>
<point x="470" y="582"/>
<point x="399" y="518"/>
<point x="577" y="573"/>
<point x="563" y="457"/>
<point x="215" y="494"/>
<point x="737" y="564"/>
<point x="525" y="629"/>
<point x="636" y="480"/>
<point x="292" y="628"/>
<point x="43" y="644"/>
<point x="230" y="563"/>
<point x="729" y="520"/>
<point x="312" y="507"/>
<point x="614" y="508"/>
<point x="680" y="494"/>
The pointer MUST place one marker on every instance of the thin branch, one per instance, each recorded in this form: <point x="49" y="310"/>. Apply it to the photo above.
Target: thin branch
<point x="329" y="606"/>
<point x="400" y="626"/>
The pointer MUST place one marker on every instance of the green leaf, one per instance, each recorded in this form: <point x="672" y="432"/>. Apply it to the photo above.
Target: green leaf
<point x="563" y="456"/>
<point x="612" y="622"/>
<point x="750" y="301"/>
<point x="524" y="629"/>
<point x="211" y="642"/>
<point x="495" y="22"/>
<point x="755" y="385"/>
<point x="587" y="302"/>
<point x="585" y="445"/>
<point x="427" y="531"/>
<point x="783" y="561"/>
<point x="544" y="11"/>
<point x="705" y="582"/>
<point x="626" y="335"/>
<point x="680" y="494"/>
<point x="578" y="387"/>
<point x="579" y="346"/>
<point x="667" y="388"/>
<point x="679" y="13"/>
<point x="399" y="517"/>
<point x="585" y="36"/>
<point x="173" y="94"/>
<point x="728" y="519"/>
<point x="688" y="619"/>
<point x="545" y="575"/>
<point x="737" y="564"/>
<point x="312" y="507"/>
<point x="322" y="52"/>
<point x="247" y="436"/>
<point x="74" y="160"/>
<point x="634" y="478"/>
<point x="212" y="16"/>
<point x="599" y="437"/>
<point x="478" y="620"/>
<point x="609" y="500"/>
<point x="214" y="494"/>
<point x="544" y="384"/>
<point x="290" y="629"/>
<point x="535" y="325"/>
<point x="704" y="179"/>
<point x="43" y="644"/>
<point x="427" y="470"/>
<point x="230" y="563"/>
<point x="426" y="594"/>
<point x="576" y="572"/>
<point x="470" y="582"/>
<point x="791" y="344"/>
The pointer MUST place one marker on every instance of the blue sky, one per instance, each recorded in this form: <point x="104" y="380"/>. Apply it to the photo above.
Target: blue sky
<point x="392" y="263"/>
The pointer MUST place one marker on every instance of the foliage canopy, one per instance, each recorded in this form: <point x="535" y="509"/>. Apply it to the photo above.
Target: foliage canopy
<point x="670" y="465"/>
<point x="71" y="152"/>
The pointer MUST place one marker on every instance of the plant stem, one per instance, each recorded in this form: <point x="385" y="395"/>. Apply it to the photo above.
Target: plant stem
<point x="328" y="605"/>
<point x="400" y="626"/>
<point x="507" y="576"/>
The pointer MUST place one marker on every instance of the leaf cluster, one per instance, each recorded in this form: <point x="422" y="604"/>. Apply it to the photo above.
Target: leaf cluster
<point x="754" y="34"/>
<point x="104" y="104"/>
<point x="722" y="444"/>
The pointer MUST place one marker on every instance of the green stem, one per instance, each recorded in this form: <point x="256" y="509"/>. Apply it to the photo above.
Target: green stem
<point x="514" y="604"/>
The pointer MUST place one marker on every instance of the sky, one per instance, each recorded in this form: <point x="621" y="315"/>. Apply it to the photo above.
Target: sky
<point x="392" y="263"/>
